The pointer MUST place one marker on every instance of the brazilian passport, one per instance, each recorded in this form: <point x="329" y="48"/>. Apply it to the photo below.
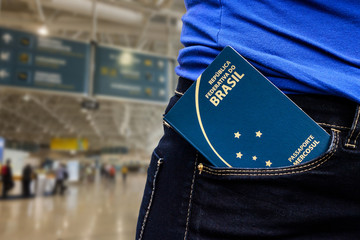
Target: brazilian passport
<point x="235" y="117"/>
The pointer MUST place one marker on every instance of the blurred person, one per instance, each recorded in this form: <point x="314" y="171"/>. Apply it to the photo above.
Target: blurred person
<point x="310" y="51"/>
<point x="27" y="176"/>
<point x="107" y="168"/>
<point x="89" y="173"/>
<point x="103" y="171"/>
<point x="7" y="178"/>
<point x="61" y="175"/>
<point x="112" y="173"/>
<point x="124" y="172"/>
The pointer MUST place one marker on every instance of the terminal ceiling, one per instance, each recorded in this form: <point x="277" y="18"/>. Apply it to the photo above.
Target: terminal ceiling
<point x="143" y="25"/>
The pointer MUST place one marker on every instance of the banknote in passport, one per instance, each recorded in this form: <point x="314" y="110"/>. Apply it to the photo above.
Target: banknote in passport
<point x="235" y="117"/>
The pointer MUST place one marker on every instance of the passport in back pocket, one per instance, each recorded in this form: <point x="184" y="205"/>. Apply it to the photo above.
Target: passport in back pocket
<point x="236" y="117"/>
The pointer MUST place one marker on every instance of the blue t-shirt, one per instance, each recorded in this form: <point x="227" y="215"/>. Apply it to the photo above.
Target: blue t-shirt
<point x="302" y="46"/>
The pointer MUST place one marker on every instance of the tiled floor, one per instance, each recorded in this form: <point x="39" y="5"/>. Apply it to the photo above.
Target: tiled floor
<point x="96" y="211"/>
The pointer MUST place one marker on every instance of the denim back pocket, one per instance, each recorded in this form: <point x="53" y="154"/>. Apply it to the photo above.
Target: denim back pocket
<point x="149" y="192"/>
<point x="281" y="203"/>
<point x="308" y="166"/>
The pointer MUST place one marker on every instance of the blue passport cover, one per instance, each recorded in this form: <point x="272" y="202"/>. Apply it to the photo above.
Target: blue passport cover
<point x="236" y="117"/>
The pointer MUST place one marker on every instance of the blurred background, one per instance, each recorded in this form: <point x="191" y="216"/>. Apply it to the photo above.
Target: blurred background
<point x="83" y="86"/>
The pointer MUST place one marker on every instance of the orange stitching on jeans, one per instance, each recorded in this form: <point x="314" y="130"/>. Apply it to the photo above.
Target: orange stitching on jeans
<point x="180" y="93"/>
<point x="282" y="169"/>
<point x="350" y="145"/>
<point x="356" y="138"/>
<point x="330" y="125"/>
<point x="267" y="172"/>
<point x="190" y="198"/>
<point x="354" y="127"/>
<point x="151" y="199"/>
<point x="166" y="124"/>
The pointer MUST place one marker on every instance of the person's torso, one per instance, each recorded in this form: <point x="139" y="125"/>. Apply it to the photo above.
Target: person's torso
<point x="301" y="46"/>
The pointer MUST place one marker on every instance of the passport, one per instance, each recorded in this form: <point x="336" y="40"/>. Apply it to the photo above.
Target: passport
<point x="235" y="117"/>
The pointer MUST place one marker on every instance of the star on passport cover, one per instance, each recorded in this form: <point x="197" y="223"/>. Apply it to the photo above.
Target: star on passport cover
<point x="235" y="117"/>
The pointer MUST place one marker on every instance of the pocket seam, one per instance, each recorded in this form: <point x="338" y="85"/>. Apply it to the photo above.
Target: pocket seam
<point x="179" y="93"/>
<point x="275" y="172"/>
<point x="160" y="161"/>
<point x="190" y="198"/>
<point x="166" y="124"/>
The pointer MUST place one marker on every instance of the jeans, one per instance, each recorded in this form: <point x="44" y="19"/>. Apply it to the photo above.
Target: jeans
<point x="319" y="199"/>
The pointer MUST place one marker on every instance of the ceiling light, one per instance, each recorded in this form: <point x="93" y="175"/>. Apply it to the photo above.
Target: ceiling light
<point x="26" y="97"/>
<point x="43" y="31"/>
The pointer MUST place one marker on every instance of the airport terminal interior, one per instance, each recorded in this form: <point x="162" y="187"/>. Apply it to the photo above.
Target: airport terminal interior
<point x="83" y="87"/>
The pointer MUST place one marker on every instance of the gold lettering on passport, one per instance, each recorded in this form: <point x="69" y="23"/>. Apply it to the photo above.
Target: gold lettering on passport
<point x="225" y="82"/>
<point x="303" y="150"/>
<point x="219" y="72"/>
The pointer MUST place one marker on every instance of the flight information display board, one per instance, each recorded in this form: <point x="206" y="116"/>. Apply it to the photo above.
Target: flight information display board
<point x="31" y="61"/>
<point x="127" y="74"/>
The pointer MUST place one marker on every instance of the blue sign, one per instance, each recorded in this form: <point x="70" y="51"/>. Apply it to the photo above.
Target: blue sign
<point x="2" y="146"/>
<point x="28" y="60"/>
<point x="131" y="75"/>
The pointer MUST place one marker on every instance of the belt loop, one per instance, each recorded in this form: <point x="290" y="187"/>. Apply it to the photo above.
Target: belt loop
<point x="354" y="133"/>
